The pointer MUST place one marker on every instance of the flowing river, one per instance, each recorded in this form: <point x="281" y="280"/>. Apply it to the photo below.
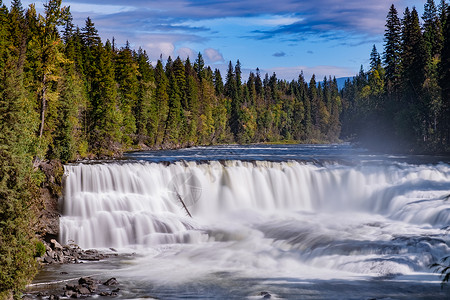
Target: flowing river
<point x="231" y="222"/>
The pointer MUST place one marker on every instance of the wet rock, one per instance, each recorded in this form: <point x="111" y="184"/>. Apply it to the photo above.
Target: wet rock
<point x="86" y="280"/>
<point x="48" y="259"/>
<point x="70" y="294"/>
<point x="266" y="295"/>
<point x="83" y="290"/>
<point x="88" y="283"/>
<point x="53" y="297"/>
<point x="55" y="245"/>
<point x="111" y="281"/>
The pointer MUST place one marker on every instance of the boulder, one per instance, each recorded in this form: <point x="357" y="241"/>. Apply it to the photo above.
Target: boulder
<point x="55" y="245"/>
<point x="111" y="281"/>
<point x="83" y="290"/>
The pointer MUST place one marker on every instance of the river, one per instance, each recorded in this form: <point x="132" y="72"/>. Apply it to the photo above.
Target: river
<point x="235" y="222"/>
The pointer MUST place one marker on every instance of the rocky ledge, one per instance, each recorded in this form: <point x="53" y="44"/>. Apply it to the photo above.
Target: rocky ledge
<point x="83" y="288"/>
<point x="55" y="253"/>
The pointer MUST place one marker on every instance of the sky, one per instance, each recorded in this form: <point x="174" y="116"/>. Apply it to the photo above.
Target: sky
<point x="321" y="37"/>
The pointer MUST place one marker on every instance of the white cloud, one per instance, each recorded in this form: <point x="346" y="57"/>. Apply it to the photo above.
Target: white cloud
<point x="213" y="55"/>
<point x="157" y="48"/>
<point x="186" y="52"/>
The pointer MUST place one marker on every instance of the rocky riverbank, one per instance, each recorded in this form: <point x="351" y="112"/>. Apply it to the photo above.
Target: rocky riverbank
<point x="84" y="287"/>
<point x="72" y="253"/>
<point x="63" y="286"/>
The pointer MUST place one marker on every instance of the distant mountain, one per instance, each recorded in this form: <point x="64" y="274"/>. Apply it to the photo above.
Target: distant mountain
<point x="340" y="81"/>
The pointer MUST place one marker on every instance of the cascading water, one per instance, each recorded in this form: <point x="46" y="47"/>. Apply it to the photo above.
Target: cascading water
<point x="251" y="219"/>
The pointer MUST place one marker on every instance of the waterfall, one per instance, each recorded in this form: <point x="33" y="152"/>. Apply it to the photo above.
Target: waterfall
<point x="138" y="204"/>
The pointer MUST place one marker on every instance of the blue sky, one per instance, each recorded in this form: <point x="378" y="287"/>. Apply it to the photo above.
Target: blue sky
<point x="325" y="37"/>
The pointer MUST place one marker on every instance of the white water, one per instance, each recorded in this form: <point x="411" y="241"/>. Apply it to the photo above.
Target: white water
<point x="261" y="219"/>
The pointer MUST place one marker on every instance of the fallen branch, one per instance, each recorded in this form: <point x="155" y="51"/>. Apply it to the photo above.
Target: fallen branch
<point x="184" y="205"/>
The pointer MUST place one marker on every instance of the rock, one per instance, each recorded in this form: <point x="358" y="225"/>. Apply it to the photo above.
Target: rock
<point x="86" y="280"/>
<point x="70" y="293"/>
<point x="70" y="287"/>
<point x="89" y="283"/>
<point x="111" y="281"/>
<point x="48" y="259"/>
<point x="55" y="245"/>
<point x="53" y="297"/>
<point x="266" y="295"/>
<point x="83" y="290"/>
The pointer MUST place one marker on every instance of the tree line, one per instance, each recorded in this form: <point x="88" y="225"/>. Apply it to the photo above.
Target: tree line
<point x="402" y="102"/>
<point x="87" y="96"/>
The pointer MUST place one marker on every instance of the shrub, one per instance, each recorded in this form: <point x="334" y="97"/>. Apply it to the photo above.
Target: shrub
<point x="40" y="249"/>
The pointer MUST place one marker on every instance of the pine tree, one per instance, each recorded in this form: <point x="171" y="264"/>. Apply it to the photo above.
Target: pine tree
<point x="106" y="117"/>
<point x="90" y="34"/>
<point x="46" y="49"/>
<point x="375" y="59"/>
<point x="175" y="117"/>
<point x="18" y="182"/>
<point x="432" y="31"/>
<point x="126" y="76"/>
<point x="392" y="52"/>
<point x="162" y="102"/>
<point x="218" y="83"/>
<point x="443" y="6"/>
<point x="199" y="65"/>
<point x="180" y="77"/>
<point x="444" y="123"/>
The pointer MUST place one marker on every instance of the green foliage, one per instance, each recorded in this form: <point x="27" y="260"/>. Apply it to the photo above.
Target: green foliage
<point x="402" y="105"/>
<point x="40" y="249"/>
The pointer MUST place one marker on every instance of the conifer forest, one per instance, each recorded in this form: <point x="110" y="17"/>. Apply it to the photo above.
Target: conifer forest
<point x="66" y="94"/>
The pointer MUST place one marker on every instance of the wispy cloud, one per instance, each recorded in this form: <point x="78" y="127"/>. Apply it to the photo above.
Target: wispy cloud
<point x="279" y="54"/>
<point x="213" y="55"/>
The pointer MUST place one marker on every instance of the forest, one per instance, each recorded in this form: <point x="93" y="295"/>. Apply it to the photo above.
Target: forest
<point x="402" y="103"/>
<point x="65" y="94"/>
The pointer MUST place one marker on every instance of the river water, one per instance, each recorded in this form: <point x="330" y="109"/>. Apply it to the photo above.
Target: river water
<point x="231" y="222"/>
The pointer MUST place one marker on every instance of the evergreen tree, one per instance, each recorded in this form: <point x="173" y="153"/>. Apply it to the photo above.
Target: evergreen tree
<point x="199" y="65"/>
<point x="218" y="82"/>
<point x="375" y="59"/>
<point x="175" y="114"/>
<point x="90" y="34"/>
<point x="18" y="181"/>
<point x="106" y="118"/>
<point x="432" y="31"/>
<point x="443" y="6"/>
<point x="444" y="124"/>
<point x="126" y="76"/>
<point x="179" y="76"/>
<point x="392" y="39"/>
<point x="162" y="102"/>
